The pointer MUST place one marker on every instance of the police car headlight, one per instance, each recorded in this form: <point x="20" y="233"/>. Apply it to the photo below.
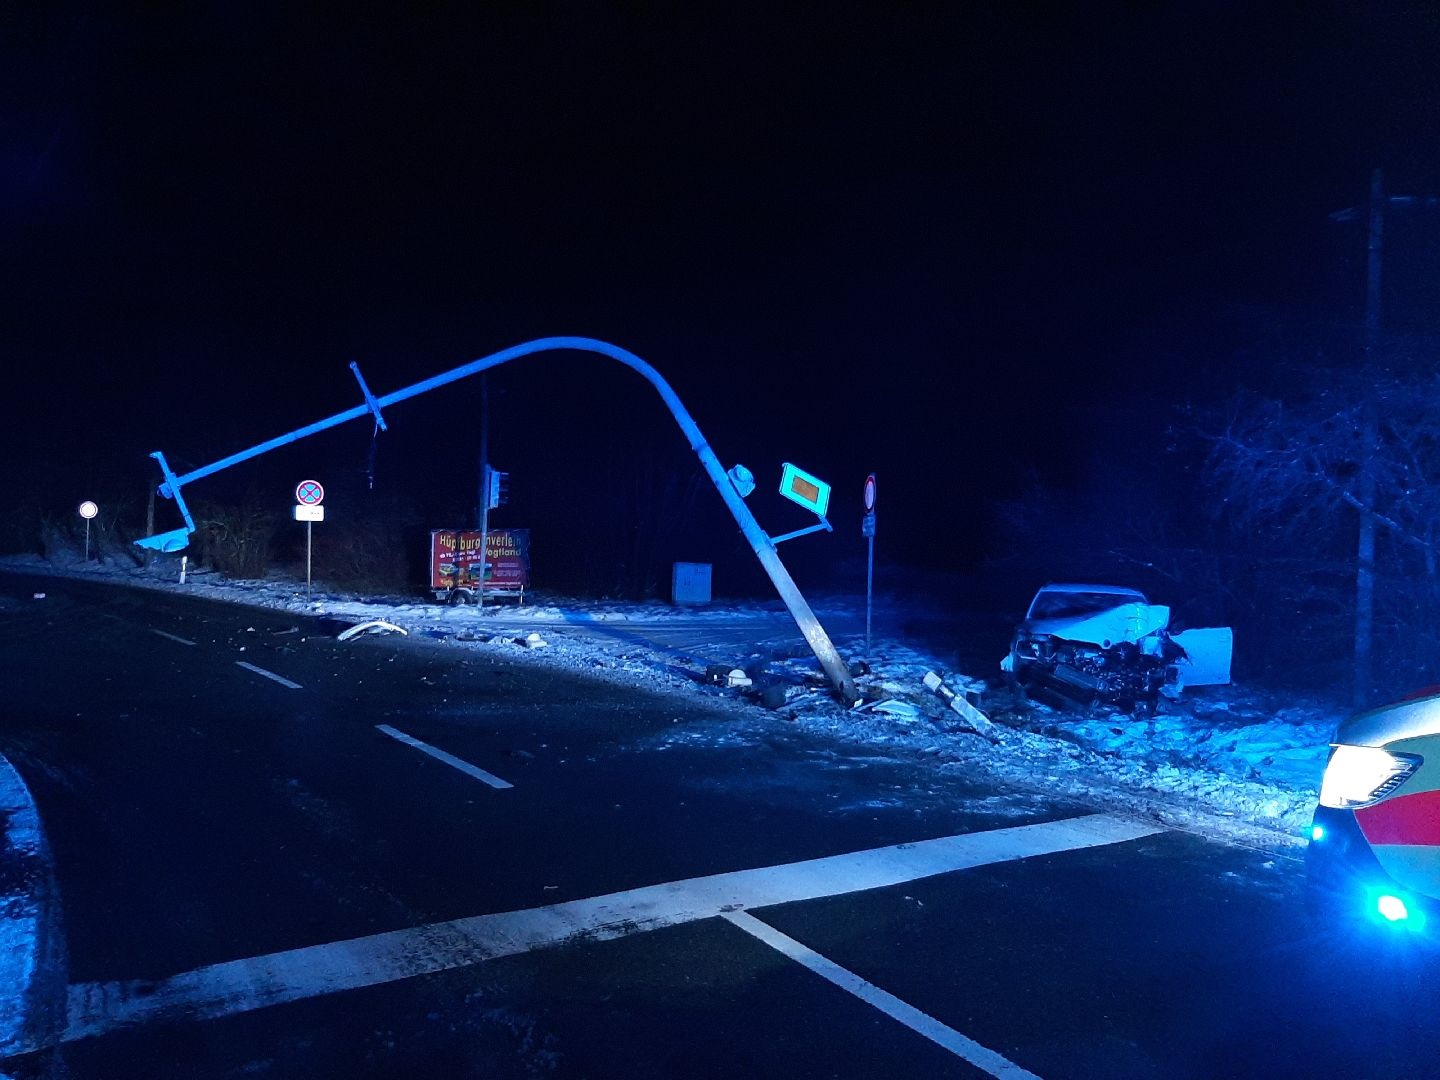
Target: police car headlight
<point x="1361" y="775"/>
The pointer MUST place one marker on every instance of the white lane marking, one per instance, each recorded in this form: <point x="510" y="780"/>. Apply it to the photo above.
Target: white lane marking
<point x="449" y="759"/>
<point x="922" y="1023"/>
<point x="237" y="986"/>
<point x="172" y="637"/>
<point x="269" y="675"/>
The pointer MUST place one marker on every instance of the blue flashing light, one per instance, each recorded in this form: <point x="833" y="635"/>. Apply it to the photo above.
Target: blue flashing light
<point x="1317" y="833"/>
<point x="1391" y="907"/>
<point x="1396" y="910"/>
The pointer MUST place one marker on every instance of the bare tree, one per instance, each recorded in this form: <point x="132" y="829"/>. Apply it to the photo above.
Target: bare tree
<point x="1361" y="455"/>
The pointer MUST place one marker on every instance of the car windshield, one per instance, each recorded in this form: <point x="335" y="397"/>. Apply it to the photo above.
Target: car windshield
<point x="1060" y="605"/>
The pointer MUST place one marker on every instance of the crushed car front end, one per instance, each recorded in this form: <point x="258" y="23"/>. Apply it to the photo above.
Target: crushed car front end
<point x="1093" y="643"/>
<point x="1108" y="643"/>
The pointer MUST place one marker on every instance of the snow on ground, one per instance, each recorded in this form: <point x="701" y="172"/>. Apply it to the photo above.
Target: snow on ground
<point x="1232" y="761"/>
<point x="22" y="897"/>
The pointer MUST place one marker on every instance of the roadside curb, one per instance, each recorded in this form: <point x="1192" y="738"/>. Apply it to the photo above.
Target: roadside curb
<point x="32" y="973"/>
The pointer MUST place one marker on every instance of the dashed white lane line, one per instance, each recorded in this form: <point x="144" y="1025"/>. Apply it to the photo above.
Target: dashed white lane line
<point x="922" y="1023"/>
<point x="172" y="637"/>
<point x="449" y="759"/>
<point x="269" y="675"/>
<point x="238" y="986"/>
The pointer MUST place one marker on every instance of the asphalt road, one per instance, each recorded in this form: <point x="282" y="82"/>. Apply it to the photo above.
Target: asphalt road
<point x="385" y="865"/>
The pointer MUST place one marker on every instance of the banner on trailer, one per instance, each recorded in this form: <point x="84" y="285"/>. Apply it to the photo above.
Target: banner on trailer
<point x="455" y="559"/>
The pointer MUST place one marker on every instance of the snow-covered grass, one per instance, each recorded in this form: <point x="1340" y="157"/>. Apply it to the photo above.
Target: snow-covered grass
<point x="1233" y="760"/>
<point x="21" y="900"/>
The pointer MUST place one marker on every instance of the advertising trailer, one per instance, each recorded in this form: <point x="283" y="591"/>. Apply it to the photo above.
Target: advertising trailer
<point x="456" y="568"/>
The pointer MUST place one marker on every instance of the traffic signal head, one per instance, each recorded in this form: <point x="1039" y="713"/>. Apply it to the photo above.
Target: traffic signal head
<point x="497" y="488"/>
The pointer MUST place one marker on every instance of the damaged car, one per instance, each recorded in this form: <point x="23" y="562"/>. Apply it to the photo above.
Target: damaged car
<point x="1108" y="644"/>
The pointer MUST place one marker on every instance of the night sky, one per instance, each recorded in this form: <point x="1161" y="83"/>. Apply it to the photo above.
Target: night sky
<point x="952" y="244"/>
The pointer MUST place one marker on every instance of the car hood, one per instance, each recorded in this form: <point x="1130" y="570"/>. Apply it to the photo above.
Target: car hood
<point x="1405" y="720"/>
<point x="1124" y="622"/>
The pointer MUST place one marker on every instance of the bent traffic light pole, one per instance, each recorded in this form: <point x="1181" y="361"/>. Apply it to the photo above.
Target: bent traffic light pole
<point x="759" y="541"/>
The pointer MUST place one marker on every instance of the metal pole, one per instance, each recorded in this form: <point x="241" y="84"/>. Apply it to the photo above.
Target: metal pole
<point x="764" y="548"/>
<point x="309" y="535"/>
<point x="87" y="540"/>
<point x="484" y="486"/>
<point x="869" y="589"/>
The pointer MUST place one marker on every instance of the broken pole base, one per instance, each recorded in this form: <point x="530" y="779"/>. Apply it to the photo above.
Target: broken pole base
<point x="977" y="720"/>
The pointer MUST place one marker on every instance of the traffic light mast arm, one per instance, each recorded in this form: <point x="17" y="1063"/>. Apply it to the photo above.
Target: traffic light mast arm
<point x="764" y="548"/>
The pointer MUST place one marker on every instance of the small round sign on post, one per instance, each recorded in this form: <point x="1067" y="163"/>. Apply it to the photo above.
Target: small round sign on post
<point x="870" y="492"/>
<point x="87" y="511"/>
<point x="309" y="493"/>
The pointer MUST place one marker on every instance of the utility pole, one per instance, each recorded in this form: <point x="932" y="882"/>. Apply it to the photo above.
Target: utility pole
<point x="1369" y="433"/>
<point x="1372" y="355"/>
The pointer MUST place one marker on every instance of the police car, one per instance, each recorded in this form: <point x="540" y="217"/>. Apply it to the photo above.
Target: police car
<point x="1375" y="840"/>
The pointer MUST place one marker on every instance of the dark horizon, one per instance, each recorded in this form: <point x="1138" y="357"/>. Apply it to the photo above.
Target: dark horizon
<point x="955" y="248"/>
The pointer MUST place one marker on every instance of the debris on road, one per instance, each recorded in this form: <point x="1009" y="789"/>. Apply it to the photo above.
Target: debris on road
<point x="374" y="626"/>
<point x="725" y="675"/>
<point x="532" y="640"/>
<point x="773" y="696"/>
<point x="903" y="711"/>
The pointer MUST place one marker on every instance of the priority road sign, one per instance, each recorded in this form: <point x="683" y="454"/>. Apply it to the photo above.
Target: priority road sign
<point x="809" y="491"/>
<point x="309" y="493"/>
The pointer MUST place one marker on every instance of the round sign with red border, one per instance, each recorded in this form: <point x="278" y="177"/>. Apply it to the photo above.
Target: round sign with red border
<point x="88" y="509"/>
<point x="309" y="493"/>
<point x="870" y="492"/>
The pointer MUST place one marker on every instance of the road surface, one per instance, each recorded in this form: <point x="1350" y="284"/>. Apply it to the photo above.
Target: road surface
<point x="280" y="855"/>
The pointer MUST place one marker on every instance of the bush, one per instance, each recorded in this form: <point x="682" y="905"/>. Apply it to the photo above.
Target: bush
<point x="235" y="540"/>
<point x="368" y="554"/>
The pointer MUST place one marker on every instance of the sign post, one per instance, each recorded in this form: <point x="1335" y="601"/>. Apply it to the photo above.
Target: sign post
<point x="87" y="511"/>
<point x="867" y="530"/>
<point x="309" y="494"/>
